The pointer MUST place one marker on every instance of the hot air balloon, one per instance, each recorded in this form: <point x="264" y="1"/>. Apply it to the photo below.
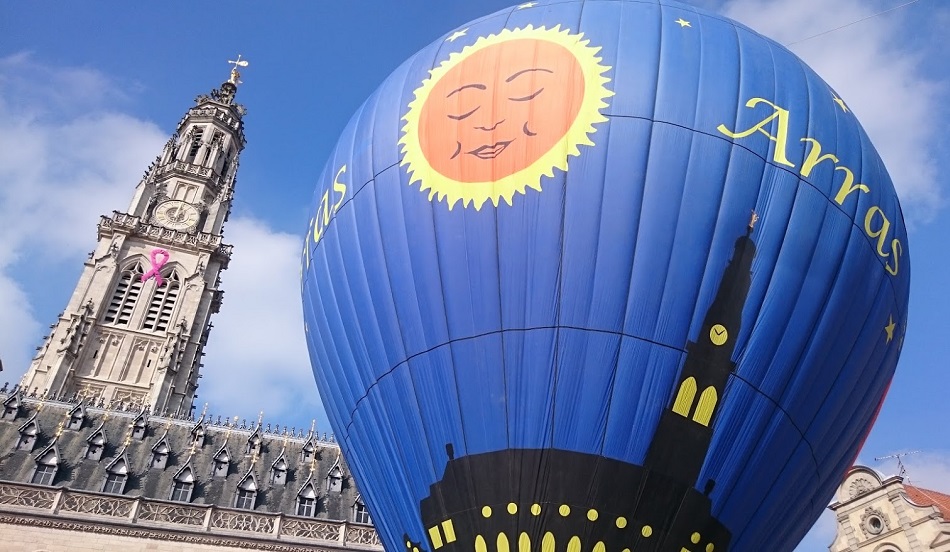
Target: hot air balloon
<point x="602" y="276"/>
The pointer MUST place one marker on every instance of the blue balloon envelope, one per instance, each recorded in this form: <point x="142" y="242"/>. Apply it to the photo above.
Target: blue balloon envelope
<point x="603" y="276"/>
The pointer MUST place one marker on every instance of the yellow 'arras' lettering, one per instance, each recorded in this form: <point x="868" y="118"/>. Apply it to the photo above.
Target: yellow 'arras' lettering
<point x="814" y="156"/>
<point x="846" y="186"/>
<point x="880" y="233"/>
<point x="781" y="136"/>
<point x="896" y="250"/>
<point x="876" y="224"/>
<point x="326" y="210"/>
<point x="340" y="188"/>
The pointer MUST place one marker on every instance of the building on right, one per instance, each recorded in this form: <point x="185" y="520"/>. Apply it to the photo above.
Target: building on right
<point x="885" y="514"/>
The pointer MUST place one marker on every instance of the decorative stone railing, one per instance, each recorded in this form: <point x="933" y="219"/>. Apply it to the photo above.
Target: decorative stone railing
<point x="212" y="178"/>
<point x="134" y="225"/>
<point x="186" y="520"/>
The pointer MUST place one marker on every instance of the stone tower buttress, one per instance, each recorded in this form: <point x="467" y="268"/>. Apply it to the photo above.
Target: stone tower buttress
<point x="136" y="325"/>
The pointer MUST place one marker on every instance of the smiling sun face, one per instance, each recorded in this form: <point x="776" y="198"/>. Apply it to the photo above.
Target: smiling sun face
<point x="497" y="116"/>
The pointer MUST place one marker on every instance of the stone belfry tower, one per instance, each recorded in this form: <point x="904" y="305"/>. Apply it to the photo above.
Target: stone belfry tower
<point x="135" y="327"/>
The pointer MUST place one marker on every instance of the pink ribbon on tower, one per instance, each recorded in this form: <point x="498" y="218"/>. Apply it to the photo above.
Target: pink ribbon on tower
<point x="157" y="266"/>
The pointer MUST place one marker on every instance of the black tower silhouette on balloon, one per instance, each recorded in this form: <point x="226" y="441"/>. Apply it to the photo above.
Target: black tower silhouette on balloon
<point x="558" y="500"/>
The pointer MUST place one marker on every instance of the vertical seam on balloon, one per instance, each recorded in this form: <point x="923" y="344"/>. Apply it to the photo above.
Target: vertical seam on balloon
<point x="620" y="342"/>
<point x="636" y="236"/>
<point x="775" y="184"/>
<point x="556" y="367"/>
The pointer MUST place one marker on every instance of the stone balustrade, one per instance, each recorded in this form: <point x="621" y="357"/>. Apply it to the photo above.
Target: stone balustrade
<point x="189" y="521"/>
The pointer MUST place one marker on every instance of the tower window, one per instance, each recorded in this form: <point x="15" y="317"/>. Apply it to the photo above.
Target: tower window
<point x="706" y="406"/>
<point x="195" y="143"/>
<point x="162" y="304"/>
<point x="126" y="293"/>
<point x="685" y="396"/>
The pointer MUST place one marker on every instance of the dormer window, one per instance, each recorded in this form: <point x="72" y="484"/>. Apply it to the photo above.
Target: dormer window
<point x="182" y="485"/>
<point x="335" y="480"/>
<point x="278" y="472"/>
<point x="360" y="513"/>
<point x="76" y="417"/>
<point x="160" y="455"/>
<point x="253" y="444"/>
<point x="246" y="493"/>
<point x="220" y="463"/>
<point x="28" y="434"/>
<point x="95" y="445"/>
<point x="11" y="407"/>
<point x="46" y="466"/>
<point x="138" y="427"/>
<point x="198" y="435"/>
<point x="307" y="501"/>
<point x="307" y="452"/>
<point x="116" y="475"/>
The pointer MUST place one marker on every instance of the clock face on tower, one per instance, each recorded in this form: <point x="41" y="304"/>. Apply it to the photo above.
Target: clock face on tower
<point x="176" y="215"/>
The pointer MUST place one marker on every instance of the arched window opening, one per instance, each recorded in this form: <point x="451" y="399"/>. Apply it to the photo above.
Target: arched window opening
<point x="162" y="305"/>
<point x="197" y="134"/>
<point x="684" y="397"/>
<point x="126" y="293"/>
<point x="706" y="406"/>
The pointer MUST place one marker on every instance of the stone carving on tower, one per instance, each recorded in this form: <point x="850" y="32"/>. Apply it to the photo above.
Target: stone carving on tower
<point x="136" y="324"/>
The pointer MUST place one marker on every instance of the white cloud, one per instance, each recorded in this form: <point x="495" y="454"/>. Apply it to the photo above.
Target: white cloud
<point x="66" y="157"/>
<point x="883" y="82"/>
<point x="60" y="169"/>
<point x="256" y="355"/>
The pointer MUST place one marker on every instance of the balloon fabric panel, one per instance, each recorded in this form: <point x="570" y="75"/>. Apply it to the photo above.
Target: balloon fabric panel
<point x="607" y="275"/>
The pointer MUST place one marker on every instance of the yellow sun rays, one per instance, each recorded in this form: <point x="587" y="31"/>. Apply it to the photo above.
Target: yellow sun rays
<point x="442" y="187"/>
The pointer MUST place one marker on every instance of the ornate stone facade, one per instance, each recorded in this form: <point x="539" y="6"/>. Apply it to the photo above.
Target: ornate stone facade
<point x="100" y="448"/>
<point x="877" y="514"/>
<point x="172" y="486"/>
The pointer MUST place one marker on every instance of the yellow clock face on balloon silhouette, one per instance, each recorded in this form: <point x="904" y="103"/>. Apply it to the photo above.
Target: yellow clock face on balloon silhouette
<point x="176" y="215"/>
<point x="718" y="334"/>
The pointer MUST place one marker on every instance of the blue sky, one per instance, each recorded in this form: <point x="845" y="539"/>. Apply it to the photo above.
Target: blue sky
<point x="90" y="92"/>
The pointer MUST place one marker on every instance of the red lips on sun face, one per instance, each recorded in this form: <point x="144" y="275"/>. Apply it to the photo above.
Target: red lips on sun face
<point x="501" y="109"/>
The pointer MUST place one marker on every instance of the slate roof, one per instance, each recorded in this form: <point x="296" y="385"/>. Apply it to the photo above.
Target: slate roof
<point x="118" y="428"/>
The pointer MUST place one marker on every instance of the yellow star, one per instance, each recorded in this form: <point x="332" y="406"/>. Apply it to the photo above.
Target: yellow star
<point x="682" y="22"/>
<point x="890" y="328"/>
<point x="527" y="5"/>
<point x="840" y="102"/>
<point x="457" y="34"/>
